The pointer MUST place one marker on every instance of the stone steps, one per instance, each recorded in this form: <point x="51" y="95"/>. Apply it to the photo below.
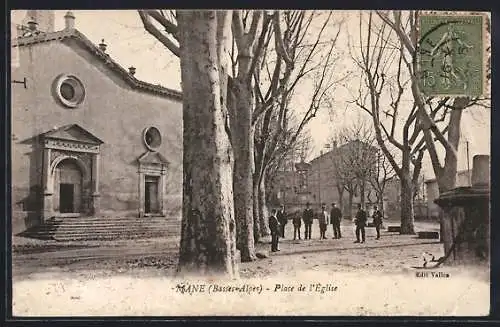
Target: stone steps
<point x="118" y="224"/>
<point x="104" y="228"/>
<point x="111" y="228"/>
<point x="108" y="236"/>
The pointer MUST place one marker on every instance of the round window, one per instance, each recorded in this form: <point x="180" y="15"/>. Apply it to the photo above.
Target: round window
<point x="69" y="90"/>
<point x="152" y="138"/>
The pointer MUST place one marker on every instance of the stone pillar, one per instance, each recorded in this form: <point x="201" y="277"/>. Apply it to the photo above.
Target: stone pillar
<point x="96" y="196"/>
<point x="481" y="171"/>
<point x="161" y="193"/>
<point x="466" y="213"/>
<point x="141" y="193"/>
<point x="480" y="179"/>
<point x="48" y="186"/>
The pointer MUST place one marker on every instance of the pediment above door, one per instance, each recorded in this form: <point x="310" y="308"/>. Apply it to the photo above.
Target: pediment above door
<point x="71" y="138"/>
<point x="152" y="158"/>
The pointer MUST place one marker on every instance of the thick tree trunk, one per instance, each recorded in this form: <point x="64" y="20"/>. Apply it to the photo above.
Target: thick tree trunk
<point x="243" y="145"/>
<point x="380" y="200"/>
<point x="407" y="188"/>
<point x="448" y="177"/>
<point x="256" y="220"/>
<point x="351" y="196"/>
<point x="259" y="187"/>
<point x="259" y="148"/>
<point x="362" y="194"/>
<point x="407" y="213"/>
<point x="263" y="210"/>
<point x="208" y="243"/>
<point x="380" y="203"/>
<point x="341" y="199"/>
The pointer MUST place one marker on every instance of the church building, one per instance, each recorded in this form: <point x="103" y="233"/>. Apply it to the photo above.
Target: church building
<point x="87" y="137"/>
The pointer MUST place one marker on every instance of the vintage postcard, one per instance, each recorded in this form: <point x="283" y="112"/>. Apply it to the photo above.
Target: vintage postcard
<point x="250" y="163"/>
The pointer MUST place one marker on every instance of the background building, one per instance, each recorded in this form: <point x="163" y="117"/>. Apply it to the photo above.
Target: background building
<point x="316" y="182"/>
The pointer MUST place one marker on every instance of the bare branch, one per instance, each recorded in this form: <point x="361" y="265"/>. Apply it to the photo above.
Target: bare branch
<point x="237" y="25"/>
<point x="280" y="45"/>
<point x="153" y="30"/>
<point x="260" y="45"/>
<point x="170" y="27"/>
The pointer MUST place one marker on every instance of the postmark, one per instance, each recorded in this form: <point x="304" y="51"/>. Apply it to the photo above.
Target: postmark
<point x="451" y="54"/>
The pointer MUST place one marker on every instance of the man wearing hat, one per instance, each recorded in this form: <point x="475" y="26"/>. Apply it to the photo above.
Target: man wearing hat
<point x="307" y="216"/>
<point x="282" y="219"/>
<point x="323" y="219"/>
<point x="274" y="226"/>
<point x="336" y="216"/>
<point x="360" y="222"/>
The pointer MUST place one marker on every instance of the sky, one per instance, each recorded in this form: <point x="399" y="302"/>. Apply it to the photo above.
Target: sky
<point x="130" y="45"/>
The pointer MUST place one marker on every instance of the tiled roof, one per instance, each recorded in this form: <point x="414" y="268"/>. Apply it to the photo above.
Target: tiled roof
<point x="101" y="55"/>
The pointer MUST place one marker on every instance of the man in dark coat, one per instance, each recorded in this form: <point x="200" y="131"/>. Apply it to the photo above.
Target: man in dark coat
<point x="360" y="222"/>
<point x="274" y="226"/>
<point x="282" y="219"/>
<point x="307" y="216"/>
<point x="336" y="217"/>
<point x="297" y="223"/>
<point x="377" y="220"/>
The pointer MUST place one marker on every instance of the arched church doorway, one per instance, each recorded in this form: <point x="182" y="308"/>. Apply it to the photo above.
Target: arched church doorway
<point x="68" y="178"/>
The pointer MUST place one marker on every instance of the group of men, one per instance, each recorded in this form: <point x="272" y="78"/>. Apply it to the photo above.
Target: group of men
<point x="278" y="221"/>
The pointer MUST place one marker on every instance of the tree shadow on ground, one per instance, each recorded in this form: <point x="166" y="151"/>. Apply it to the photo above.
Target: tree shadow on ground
<point x="316" y="250"/>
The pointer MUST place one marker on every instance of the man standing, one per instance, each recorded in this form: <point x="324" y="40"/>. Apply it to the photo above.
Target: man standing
<point x="307" y="216"/>
<point x="336" y="216"/>
<point x="377" y="220"/>
<point x="322" y="220"/>
<point x="360" y="222"/>
<point x="297" y="222"/>
<point x="282" y="220"/>
<point x="274" y="226"/>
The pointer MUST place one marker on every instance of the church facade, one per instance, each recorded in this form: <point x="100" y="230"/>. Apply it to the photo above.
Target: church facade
<point x="87" y="137"/>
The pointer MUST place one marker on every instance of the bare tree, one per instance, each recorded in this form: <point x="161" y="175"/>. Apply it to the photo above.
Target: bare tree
<point x="252" y="32"/>
<point x="304" y="147"/>
<point x="287" y="154"/>
<point x="382" y="172"/>
<point x="345" y="181"/>
<point x="406" y="30"/>
<point x="354" y="159"/>
<point x="382" y="65"/>
<point x="200" y="39"/>
<point x="294" y="60"/>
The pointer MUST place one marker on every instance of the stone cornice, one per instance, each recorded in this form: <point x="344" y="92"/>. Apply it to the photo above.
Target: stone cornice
<point x="69" y="145"/>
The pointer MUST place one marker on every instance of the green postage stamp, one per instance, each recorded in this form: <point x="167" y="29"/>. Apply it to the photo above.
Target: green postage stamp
<point x="452" y="54"/>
